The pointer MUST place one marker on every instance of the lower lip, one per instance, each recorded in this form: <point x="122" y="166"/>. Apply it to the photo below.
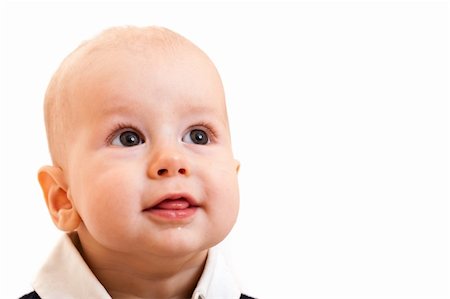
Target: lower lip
<point x="175" y="214"/>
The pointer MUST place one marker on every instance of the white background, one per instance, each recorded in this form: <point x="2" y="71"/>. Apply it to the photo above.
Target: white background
<point x="339" y="116"/>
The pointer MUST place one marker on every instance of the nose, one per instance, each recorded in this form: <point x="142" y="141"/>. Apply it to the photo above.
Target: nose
<point x="167" y="163"/>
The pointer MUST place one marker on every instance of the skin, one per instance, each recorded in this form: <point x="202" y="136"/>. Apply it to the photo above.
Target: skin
<point x="104" y="189"/>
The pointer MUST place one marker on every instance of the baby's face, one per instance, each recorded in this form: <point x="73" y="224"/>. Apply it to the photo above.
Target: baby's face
<point x="150" y="167"/>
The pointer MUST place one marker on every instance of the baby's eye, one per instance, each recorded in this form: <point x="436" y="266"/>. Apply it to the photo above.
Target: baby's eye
<point x="127" y="138"/>
<point x="196" y="136"/>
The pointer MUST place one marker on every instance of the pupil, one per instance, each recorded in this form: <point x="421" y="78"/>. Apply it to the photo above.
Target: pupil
<point x="129" y="138"/>
<point x="199" y="137"/>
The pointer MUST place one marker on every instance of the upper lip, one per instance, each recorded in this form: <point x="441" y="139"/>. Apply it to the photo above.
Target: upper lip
<point x="173" y="196"/>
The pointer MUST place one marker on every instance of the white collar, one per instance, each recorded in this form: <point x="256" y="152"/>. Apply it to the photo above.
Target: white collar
<point x="216" y="280"/>
<point x="66" y="275"/>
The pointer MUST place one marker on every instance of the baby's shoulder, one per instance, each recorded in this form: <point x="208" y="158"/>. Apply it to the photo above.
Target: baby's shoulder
<point x="243" y="296"/>
<point x="33" y="295"/>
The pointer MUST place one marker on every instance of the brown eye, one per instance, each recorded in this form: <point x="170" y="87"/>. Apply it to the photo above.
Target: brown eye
<point x="196" y="136"/>
<point x="127" y="138"/>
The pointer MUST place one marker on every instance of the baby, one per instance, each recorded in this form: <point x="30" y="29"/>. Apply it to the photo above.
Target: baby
<point x="143" y="180"/>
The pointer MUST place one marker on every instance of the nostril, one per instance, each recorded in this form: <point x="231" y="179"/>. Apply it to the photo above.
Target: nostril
<point x="182" y="171"/>
<point x="162" y="171"/>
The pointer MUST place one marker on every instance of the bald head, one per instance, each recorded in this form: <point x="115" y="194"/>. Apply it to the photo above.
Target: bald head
<point x="60" y="92"/>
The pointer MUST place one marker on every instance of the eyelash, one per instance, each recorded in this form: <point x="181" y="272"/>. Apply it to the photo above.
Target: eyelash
<point x="209" y="129"/>
<point x="124" y="126"/>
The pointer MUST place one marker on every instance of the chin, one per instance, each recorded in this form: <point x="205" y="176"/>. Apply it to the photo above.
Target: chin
<point x="177" y="245"/>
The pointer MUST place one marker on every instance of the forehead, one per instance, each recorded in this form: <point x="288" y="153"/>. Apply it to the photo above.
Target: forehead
<point x="115" y="80"/>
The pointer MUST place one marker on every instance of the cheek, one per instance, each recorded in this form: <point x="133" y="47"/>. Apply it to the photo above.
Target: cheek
<point x="224" y="195"/>
<point x="106" y="195"/>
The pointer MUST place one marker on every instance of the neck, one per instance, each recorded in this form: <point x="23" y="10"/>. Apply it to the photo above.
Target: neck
<point x="133" y="283"/>
<point x="145" y="276"/>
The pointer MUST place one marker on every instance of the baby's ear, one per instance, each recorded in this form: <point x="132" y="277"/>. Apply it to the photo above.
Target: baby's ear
<point x="238" y="165"/>
<point x="60" y="206"/>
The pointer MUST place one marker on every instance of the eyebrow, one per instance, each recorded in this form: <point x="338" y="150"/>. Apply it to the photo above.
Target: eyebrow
<point x="199" y="109"/>
<point x="129" y="108"/>
<point x="118" y="109"/>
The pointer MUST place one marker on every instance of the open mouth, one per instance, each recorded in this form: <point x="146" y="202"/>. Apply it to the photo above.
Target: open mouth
<point x="174" y="207"/>
<point x="174" y="204"/>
